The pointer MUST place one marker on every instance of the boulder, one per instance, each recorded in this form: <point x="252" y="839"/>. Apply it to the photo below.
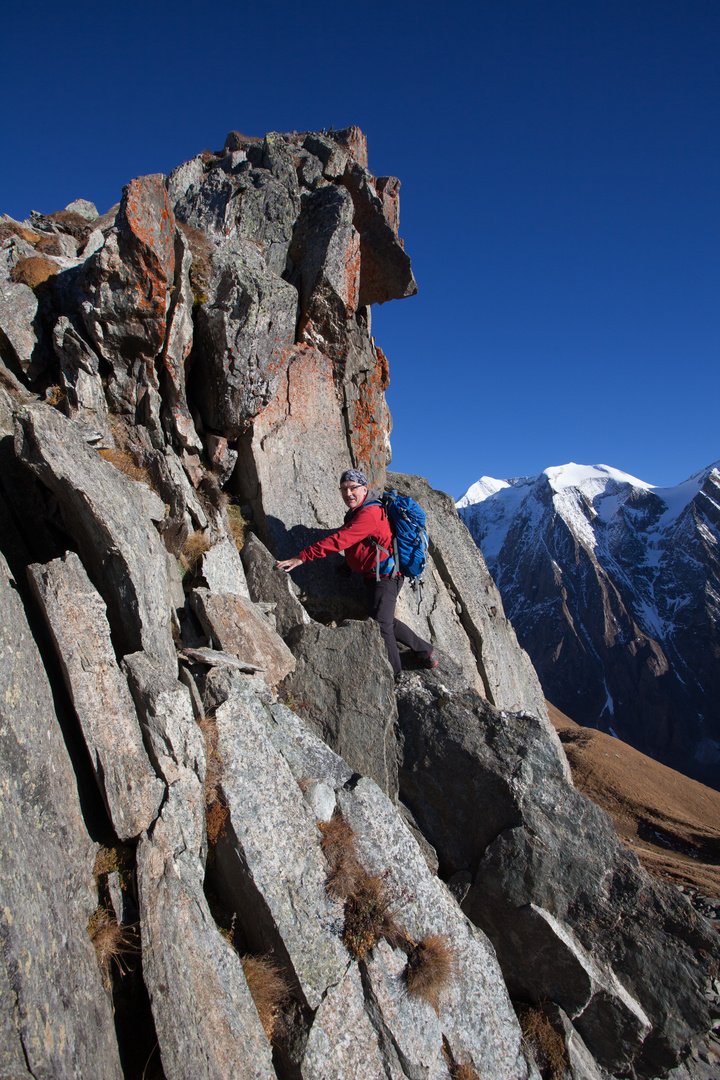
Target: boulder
<point x="277" y="158"/>
<point x="332" y="157"/>
<point x="385" y="272"/>
<point x="343" y="688"/>
<point x="310" y="760"/>
<point x="509" y="677"/>
<point x="75" y="614"/>
<point x="55" y="1017"/>
<point x="571" y="913"/>
<point x="388" y="189"/>
<point x="235" y="626"/>
<point x="353" y="141"/>
<point x="183" y="177"/>
<point x="362" y="380"/>
<point x="282" y="446"/>
<point x="474" y="1015"/>
<point x="107" y="516"/>
<point x="278" y="888"/>
<point x="174" y="739"/>
<point x="343" y="1040"/>
<point x="244" y="335"/>
<point x="205" y="1019"/>
<point x="222" y="458"/>
<point x="436" y="619"/>
<point x="309" y="170"/>
<point x="245" y="204"/>
<point x="222" y="570"/>
<point x="79" y="372"/>
<point x="176" y="350"/>
<point x="84" y="208"/>
<point x="124" y="288"/>
<point x="18" y="308"/>
<point x="272" y="586"/>
<point x="325" y="251"/>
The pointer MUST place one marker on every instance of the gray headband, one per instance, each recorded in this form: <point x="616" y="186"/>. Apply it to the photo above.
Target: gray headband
<point x="354" y="476"/>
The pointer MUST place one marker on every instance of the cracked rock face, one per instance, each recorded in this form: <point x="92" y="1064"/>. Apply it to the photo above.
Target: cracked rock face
<point x="356" y="715"/>
<point x="75" y="614"/>
<point x="572" y="915"/>
<point x="55" y="1016"/>
<point x="106" y="514"/>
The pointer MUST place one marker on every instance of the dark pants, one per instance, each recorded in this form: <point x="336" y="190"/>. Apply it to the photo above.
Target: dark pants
<point x="382" y="596"/>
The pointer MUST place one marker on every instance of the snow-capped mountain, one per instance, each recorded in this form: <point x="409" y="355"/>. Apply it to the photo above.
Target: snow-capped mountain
<point x="613" y="587"/>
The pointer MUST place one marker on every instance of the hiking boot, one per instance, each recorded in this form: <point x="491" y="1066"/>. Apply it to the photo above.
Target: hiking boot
<point x="428" y="661"/>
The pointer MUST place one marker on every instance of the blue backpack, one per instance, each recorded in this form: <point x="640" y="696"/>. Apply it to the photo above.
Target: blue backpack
<point x="410" y="541"/>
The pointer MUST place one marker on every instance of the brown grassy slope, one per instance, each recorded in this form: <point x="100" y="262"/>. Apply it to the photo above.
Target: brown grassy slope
<point x="672" y="823"/>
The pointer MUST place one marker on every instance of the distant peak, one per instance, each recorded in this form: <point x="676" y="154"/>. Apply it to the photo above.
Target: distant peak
<point x="577" y="476"/>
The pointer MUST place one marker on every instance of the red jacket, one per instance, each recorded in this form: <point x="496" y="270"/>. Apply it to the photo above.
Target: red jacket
<point x="361" y="525"/>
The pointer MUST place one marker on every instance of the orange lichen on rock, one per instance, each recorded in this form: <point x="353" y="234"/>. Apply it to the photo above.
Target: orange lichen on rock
<point x="369" y="419"/>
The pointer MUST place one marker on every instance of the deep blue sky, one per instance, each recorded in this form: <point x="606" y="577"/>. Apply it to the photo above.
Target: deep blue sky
<point x="560" y="162"/>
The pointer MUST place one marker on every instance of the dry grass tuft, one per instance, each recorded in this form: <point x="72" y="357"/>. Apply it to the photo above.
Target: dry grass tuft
<point x="238" y="525"/>
<point x="116" y="858"/>
<point x="49" y="245"/>
<point x="369" y="916"/>
<point x="369" y="909"/>
<point x="464" y="1072"/>
<point x="33" y="270"/>
<point x="457" y="1070"/>
<point x="344" y="878"/>
<point x="194" y="548"/>
<point x="216" y="808"/>
<point x="112" y="942"/>
<point x="544" y="1042"/>
<point x="55" y="395"/>
<point x="14" y="228"/>
<point x="269" y="990"/>
<point x="430" y="968"/>
<point x="126" y="463"/>
<point x="337" y="838"/>
<point x="337" y="843"/>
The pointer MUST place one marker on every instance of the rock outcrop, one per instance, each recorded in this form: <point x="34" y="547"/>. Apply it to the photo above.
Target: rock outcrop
<point x="301" y="868"/>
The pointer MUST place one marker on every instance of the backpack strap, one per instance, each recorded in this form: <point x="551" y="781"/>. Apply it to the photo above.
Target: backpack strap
<point x="386" y="553"/>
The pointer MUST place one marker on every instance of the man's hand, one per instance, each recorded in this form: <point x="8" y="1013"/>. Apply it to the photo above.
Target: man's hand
<point x="288" y="564"/>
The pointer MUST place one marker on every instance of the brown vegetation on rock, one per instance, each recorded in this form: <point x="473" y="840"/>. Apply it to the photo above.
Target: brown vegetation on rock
<point x="112" y="942"/>
<point x="268" y="988"/>
<point x="430" y="968"/>
<point x="238" y="525"/>
<point x="369" y="908"/>
<point x="194" y="548"/>
<point x="55" y="395"/>
<point x="116" y="858"/>
<point x="13" y="228"/>
<point x="543" y="1041"/>
<point x="369" y="916"/>
<point x="216" y="809"/>
<point x="126" y="463"/>
<point x="457" y="1070"/>
<point x="33" y="270"/>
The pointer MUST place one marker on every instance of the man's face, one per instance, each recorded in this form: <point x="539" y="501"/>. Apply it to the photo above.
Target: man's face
<point x="353" y="495"/>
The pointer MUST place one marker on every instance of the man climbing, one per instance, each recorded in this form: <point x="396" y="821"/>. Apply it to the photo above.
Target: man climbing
<point x="365" y="532"/>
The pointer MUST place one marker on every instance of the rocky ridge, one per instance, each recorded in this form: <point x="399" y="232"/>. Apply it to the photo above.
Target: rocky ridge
<point x="194" y="778"/>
